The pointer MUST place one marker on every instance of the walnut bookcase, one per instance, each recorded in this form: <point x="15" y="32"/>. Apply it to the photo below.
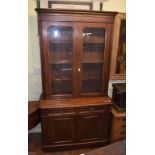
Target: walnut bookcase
<point x="75" y="58"/>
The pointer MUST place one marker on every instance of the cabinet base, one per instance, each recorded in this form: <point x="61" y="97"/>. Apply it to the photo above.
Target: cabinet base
<point x="75" y="123"/>
<point x="75" y="146"/>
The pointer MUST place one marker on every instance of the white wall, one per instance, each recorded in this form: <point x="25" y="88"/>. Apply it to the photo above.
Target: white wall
<point x="34" y="74"/>
<point x="115" y="5"/>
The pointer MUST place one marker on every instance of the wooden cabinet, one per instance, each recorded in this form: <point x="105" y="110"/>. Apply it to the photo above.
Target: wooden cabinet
<point x="93" y="127"/>
<point x="33" y="114"/>
<point x="58" y="130"/>
<point x="77" y="123"/>
<point x="118" y="129"/>
<point x="75" y="58"/>
<point x="75" y="52"/>
<point x="119" y="96"/>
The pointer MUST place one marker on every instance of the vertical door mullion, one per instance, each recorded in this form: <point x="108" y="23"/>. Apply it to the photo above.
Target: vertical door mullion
<point x="75" y="55"/>
<point x="79" y="58"/>
<point x="107" y="57"/>
<point x="45" y="61"/>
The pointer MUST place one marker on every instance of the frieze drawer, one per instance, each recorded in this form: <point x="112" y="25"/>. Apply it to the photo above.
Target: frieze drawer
<point x="74" y="111"/>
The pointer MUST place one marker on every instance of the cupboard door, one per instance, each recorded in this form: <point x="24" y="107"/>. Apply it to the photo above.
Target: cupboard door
<point x="93" y="56"/>
<point x="93" y="127"/>
<point x="58" y="130"/>
<point x="60" y="58"/>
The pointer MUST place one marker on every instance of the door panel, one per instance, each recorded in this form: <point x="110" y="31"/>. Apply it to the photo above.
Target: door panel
<point x="63" y="130"/>
<point x="60" y="57"/>
<point x="58" y="130"/>
<point x="93" y="127"/>
<point x="93" y="54"/>
<point x="76" y="59"/>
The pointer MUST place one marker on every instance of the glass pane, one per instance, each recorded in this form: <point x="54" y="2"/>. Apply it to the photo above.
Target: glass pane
<point x="121" y="56"/>
<point x="91" y="86"/>
<point x="61" y="54"/>
<point x="93" y="52"/>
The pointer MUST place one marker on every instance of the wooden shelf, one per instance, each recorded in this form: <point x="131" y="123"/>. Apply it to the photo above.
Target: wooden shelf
<point x="60" y="41"/>
<point x="91" y="77"/>
<point x="58" y="56"/>
<point x="61" y="78"/>
<point x="61" y="62"/>
<point x="70" y="78"/>
<point x="92" y="57"/>
<point x="92" y="61"/>
<point x="93" y="40"/>
<point x="61" y="87"/>
<point x="66" y="75"/>
<point x="61" y="52"/>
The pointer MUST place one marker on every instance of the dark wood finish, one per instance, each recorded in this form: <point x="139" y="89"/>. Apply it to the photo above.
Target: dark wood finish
<point x="106" y="54"/>
<point x="115" y="48"/>
<point x="118" y="148"/>
<point x="90" y="4"/>
<point x="71" y="117"/>
<point x="74" y="103"/>
<point x="33" y="114"/>
<point x="34" y="147"/>
<point x="77" y="123"/>
<point x="118" y="129"/>
<point x="76" y="16"/>
<point x="46" y="61"/>
<point x="77" y="20"/>
<point x="119" y="96"/>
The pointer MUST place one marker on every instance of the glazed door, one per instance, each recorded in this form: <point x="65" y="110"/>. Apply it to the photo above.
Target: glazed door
<point x="93" y="57"/>
<point x="60" y="59"/>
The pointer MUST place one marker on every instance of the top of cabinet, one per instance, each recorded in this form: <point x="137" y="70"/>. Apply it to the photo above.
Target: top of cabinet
<point x="75" y="15"/>
<point x="75" y="102"/>
<point x="83" y="12"/>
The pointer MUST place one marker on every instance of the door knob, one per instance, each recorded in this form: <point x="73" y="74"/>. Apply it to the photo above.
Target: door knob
<point x="79" y="69"/>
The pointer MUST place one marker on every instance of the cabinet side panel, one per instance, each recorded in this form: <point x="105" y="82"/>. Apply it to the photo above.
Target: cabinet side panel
<point x="44" y="59"/>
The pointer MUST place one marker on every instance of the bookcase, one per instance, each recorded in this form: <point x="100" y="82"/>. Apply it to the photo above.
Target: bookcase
<point x="75" y="57"/>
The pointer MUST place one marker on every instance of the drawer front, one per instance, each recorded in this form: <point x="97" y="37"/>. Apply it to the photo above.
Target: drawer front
<point x="121" y="121"/>
<point x="74" y="111"/>
<point x="122" y="134"/>
<point x="99" y="109"/>
<point x="118" y="129"/>
<point x="57" y="112"/>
